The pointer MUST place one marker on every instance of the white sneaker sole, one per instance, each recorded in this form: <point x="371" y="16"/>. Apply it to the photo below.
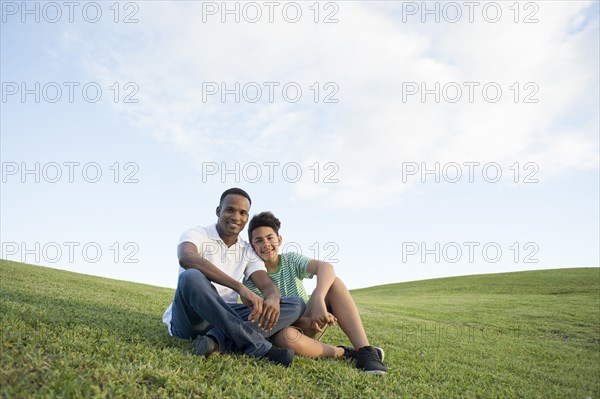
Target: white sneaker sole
<point x="375" y="372"/>
<point x="380" y="352"/>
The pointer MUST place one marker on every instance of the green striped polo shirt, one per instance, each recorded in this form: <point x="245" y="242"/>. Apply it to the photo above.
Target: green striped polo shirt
<point x="288" y="276"/>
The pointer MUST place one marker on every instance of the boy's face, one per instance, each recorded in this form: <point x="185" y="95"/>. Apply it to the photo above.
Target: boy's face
<point x="233" y="214"/>
<point x="266" y="243"/>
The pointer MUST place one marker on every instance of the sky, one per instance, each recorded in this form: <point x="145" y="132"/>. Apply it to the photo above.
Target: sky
<point x="399" y="141"/>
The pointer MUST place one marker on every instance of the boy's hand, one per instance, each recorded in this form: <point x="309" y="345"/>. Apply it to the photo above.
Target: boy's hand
<point x="318" y="315"/>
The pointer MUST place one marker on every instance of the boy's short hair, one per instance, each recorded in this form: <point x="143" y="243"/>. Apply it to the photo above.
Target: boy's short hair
<point x="236" y="191"/>
<point x="263" y="219"/>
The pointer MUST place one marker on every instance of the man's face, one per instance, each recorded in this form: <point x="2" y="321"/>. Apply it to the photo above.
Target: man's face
<point x="266" y="243"/>
<point x="233" y="214"/>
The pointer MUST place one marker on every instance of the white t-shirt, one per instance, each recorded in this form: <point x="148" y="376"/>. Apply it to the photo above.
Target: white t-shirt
<point x="238" y="261"/>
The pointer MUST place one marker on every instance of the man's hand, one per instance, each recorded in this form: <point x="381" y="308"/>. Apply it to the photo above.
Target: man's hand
<point x="253" y="301"/>
<point x="270" y="313"/>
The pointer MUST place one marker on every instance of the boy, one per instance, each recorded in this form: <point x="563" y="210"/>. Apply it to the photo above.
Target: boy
<point x="329" y="303"/>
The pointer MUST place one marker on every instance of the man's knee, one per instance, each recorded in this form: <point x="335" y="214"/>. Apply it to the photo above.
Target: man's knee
<point x="192" y="279"/>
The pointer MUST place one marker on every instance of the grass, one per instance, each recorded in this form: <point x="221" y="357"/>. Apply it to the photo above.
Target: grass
<point x="513" y="335"/>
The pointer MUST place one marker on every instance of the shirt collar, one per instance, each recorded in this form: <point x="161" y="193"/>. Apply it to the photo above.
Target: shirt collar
<point x="214" y="234"/>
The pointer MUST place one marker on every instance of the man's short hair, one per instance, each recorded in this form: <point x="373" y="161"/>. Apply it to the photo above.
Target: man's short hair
<point x="263" y="219"/>
<point x="236" y="191"/>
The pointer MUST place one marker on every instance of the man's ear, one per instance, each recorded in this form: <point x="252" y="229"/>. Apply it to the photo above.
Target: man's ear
<point x="218" y="211"/>
<point x="279" y="239"/>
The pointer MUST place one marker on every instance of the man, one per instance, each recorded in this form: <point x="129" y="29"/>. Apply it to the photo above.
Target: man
<point x="212" y="261"/>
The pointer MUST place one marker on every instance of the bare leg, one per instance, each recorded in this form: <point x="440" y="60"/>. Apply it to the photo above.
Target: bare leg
<point x="343" y="308"/>
<point x="293" y="338"/>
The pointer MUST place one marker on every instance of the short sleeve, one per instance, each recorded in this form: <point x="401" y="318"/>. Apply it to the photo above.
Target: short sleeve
<point x="254" y="262"/>
<point x="299" y="264"/>
<point x="200" y="239"/>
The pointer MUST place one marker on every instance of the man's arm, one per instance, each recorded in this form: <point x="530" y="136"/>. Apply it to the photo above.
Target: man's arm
<point x="271" y="311"/>
<point x="190" y="259"/>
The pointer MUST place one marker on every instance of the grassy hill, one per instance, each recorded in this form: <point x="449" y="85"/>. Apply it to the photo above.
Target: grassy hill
<point x="513" y="335"/>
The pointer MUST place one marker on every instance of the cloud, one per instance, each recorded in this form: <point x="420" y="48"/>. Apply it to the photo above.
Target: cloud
<point x="370" y="57"/>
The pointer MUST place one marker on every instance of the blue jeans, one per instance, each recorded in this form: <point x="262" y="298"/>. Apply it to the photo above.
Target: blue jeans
<point x="199" y="309"/>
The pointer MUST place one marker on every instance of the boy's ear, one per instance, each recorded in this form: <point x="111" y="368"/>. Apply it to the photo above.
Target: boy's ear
<point x="279" y="239"/>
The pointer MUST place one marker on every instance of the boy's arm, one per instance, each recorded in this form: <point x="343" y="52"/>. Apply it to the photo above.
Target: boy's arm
<point x="271" y="311"/>
<point x="325" y="276"/>
<point x="189" y="258"/>
<point x="317" y="309"/>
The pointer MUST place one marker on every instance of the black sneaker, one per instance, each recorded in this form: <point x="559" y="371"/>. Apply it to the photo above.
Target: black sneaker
<point x="350" y="353"/>
<point x="367" y="359"/>
<point x="205" y="345"/>
<point x="282" y="356"/>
